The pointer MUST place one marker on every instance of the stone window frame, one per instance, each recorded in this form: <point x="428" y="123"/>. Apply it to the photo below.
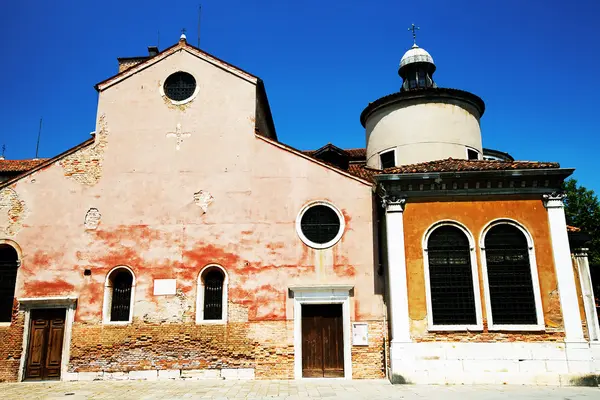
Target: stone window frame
<point x="107" y="302"/>
<point x="469" y="148"/>
<point x="539" y="311"/>
<point x="478" y="326"/>
<point x="181" y="102"/>
<point x="17" y="248"/>
<point x="390" y="150"/>
<point x="309" y="242"/>
<point x="200" y="296"/>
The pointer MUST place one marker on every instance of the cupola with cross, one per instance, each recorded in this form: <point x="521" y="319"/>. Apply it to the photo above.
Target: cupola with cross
<point x="422" y="122"/>
<point x="416" y="66"/>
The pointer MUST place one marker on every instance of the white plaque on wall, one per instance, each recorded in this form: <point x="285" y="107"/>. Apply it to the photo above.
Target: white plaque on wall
<point x="165" y="287"/>
<point x="360" y="334"/>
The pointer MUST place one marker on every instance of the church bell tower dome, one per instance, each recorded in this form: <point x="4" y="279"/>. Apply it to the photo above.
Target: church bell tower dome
<point x="422" y="122"/>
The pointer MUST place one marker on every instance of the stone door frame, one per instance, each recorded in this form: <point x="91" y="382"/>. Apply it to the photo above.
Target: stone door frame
<point x="28" y="304"/>
<point x="332" y="294"/>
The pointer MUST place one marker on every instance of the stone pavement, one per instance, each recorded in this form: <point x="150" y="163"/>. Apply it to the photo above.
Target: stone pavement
<point x="306" y="389"/>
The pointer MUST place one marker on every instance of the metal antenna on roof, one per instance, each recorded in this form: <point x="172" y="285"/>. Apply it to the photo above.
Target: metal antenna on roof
<point x="37" y="147"/>
<point x="3" y="150"/>
<point x="199" y="13"/>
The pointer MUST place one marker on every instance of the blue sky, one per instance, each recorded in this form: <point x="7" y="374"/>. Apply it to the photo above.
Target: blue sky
<point x="534" y="63"/>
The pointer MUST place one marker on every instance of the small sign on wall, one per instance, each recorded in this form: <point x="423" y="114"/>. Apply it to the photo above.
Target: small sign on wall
<point x="165" y="287"/>
<point x="360" y="334"/>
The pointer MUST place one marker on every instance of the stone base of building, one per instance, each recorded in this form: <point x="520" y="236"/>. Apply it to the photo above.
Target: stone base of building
<point x="164" y="374"/>
<point x="559" y="364"/>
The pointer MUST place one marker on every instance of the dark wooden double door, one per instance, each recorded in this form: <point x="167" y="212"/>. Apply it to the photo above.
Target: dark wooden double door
<point x="322" y="341"/>
<point x="44" y="351"/>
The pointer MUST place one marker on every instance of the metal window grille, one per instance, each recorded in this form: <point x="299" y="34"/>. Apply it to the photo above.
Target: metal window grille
<point x="121" y="296"/>
<point x="509" y="276"/>
<point x="180" y="86"/>
<point x="320" y="224"/>
<point x="213" y="295"/>
<point x="451" y="277"/>
<point x="9" y="263"/>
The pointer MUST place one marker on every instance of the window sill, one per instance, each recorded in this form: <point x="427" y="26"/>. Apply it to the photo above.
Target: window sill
<point x="211" y="322"/>
<point x="532" y="328"/>
<point x="461" y="328"/>
<point x="116" y="323"/>
<point x="5" y="324"/>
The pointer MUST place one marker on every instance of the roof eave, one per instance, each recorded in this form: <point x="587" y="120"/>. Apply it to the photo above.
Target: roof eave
<point x="565" y="172"/>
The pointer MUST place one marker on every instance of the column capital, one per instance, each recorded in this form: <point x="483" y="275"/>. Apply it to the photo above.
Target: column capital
<point x="581" y="252"/>
<point x="393" y="204"/>
<point x="554" y="200"/>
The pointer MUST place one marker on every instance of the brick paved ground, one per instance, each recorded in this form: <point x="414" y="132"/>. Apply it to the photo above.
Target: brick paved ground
<point x="329" y="389"/>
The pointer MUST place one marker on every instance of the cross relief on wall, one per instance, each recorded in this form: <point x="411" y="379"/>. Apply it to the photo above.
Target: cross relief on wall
<point x="178" y="135"/>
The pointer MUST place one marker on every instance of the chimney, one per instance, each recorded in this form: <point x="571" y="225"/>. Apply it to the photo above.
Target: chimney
<point x="152" y="51"/>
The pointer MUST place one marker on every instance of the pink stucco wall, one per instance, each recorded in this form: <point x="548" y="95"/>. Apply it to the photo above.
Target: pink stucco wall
<point x="150" y="222"/>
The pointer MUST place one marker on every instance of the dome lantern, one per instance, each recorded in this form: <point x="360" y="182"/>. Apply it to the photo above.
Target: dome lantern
<point x="416" y="67"/>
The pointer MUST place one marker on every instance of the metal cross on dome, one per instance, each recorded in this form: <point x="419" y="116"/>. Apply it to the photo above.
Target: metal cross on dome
<point x="178" y="135"/>
<point x="414" y="30"/>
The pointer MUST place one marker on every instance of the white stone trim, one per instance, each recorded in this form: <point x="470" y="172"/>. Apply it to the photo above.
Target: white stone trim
<point x="181" y="102"/>
<point x="200" y="297"/>
<point x="563" y="265"/>
<point x="310" y="243"/>
<point x="28" y="304"/>
<point x="107" y="302"/>
<point x="474" y="275"/>
<point x="396" y="271"/>
<point x="334" y="294"/>
<point x="587" y="292"/>
<point x="539" y="311"/>
<point x="479" y="154"/>
<point x="392" y="149"/>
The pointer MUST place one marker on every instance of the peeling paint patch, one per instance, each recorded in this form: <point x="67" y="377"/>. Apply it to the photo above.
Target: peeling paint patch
<point x="85" y="166"/>
<point x="12" y="212"/>
<point x="203" y="199"/>
<point x="92" y="219"/>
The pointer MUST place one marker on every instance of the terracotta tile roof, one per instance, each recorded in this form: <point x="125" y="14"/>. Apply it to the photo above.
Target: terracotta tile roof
<point x="362" y="171"/>
<point x="358" y="153"/>
<point x="453" y="165"/>
<point x="20" y="165"/>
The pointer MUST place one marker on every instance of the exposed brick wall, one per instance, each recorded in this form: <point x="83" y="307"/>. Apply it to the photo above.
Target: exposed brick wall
<point x="85" y="166"/>
<point x="142" y="346"/>
<point x="11" y="343"/>
<point x="12" y="212"/>
<point x="368" y="361"/>
<point x="267" y="346"/>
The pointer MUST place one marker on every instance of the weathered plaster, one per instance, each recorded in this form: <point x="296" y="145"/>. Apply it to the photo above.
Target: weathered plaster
<point x="85" y="166"/>
<point x="12" y="212"/>
<point x="475" y="215"/>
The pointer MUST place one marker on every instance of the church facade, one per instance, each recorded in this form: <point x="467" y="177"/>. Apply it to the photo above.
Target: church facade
<point x="185" y="241"/>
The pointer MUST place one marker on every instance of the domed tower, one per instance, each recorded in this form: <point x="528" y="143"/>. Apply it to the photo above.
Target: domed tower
<point x="422" y="122"/>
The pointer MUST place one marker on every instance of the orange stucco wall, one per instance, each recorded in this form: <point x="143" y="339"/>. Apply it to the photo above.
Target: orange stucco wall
<point x="475" y="214"/>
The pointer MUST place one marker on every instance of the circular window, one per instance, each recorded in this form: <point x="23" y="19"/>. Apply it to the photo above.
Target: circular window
<point x="320" y="225"/>
<point x="180" y="86"/>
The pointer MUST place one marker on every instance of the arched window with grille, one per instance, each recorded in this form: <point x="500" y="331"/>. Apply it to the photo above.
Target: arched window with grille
<point x="512" y="289"/>
<point x="119" y="293"/>
<point x="9" y="264"/>
<point x="211" y="305"/>
<point x="453" y="301"/>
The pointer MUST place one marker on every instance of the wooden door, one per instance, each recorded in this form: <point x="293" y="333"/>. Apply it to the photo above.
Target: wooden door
<point x="322" y="341"/>
<point x="44" y="352"/>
